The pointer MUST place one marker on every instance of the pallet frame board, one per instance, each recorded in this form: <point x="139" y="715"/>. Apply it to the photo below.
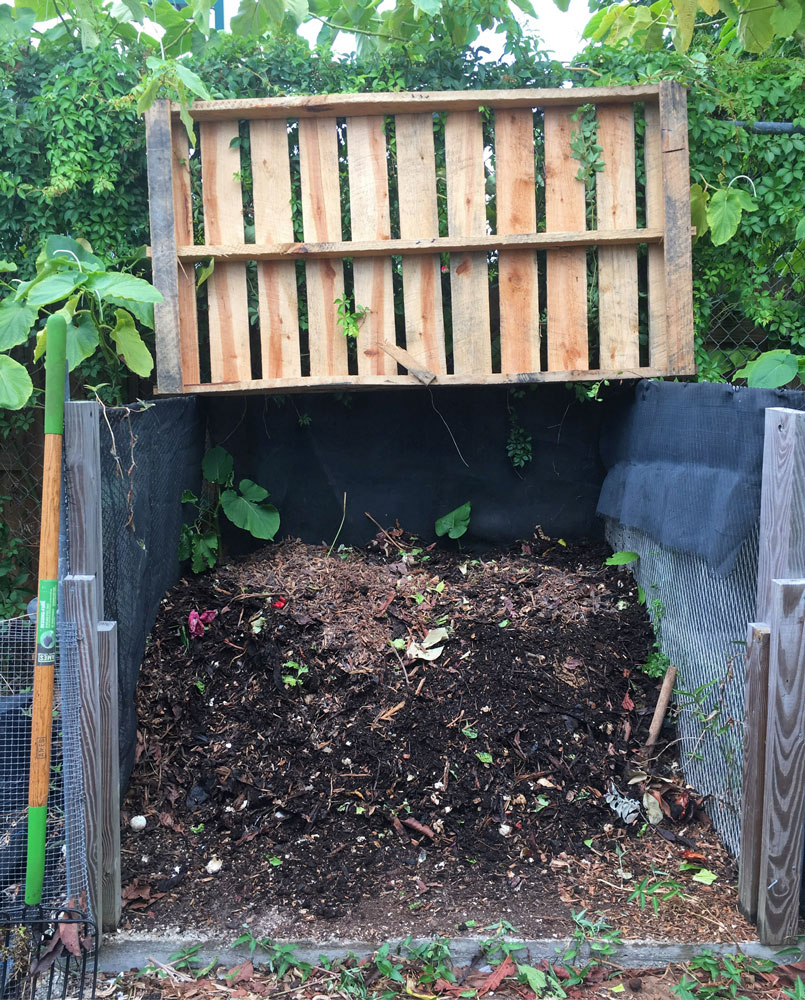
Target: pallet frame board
<point x="431" y="146"/>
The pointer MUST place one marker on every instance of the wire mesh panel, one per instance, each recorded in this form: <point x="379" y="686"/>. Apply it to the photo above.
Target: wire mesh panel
<point x="65" y="881"/>
<point x="700" y="618"/>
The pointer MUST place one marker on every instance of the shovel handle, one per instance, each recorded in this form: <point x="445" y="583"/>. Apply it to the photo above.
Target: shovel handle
<point x="46" y="610"/>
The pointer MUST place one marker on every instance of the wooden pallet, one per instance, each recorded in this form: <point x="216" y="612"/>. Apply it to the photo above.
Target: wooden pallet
<point x="432" y="314"/>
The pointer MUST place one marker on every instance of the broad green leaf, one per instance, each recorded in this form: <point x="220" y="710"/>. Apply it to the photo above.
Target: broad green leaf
<point x="6" y="267"/>
<point x="108" y="284"/>
<point x="562" y="4"/>
<point x="528" y="8"/>
<point x="193" y="82"/>
<point x="251" y="19"/>
<point x="622" y="558"/>
<point x="252" y="491"/>
<point x="41" y="343"/>
<point x="62" y="247"/>
<point x="54" y="287"/>
<point x="698" y="209"/>
<point x="143" y="312"/>
<point x="724" y="215"/>
<point x="534" y="978"/>
<point x="429" y="7"/>
<point x="16" y="320"/>
<point x="217" y="466"/>
<point x="710" y="7"/>
<point x="130" y="346"/>
<point x="755" y="31"/>
<point x="771" y="370"/>
<point x="15" y="384"/>
<point x="260" y="520"/>
<point x="205" y="551"/>
<point x="148" y="94"/>
<point x="185" y="543"/>
<point x="454" y="524"/>
<point x="201" y="15"/>
<point x="82" y="341"/>
<point x="15" y="25"/>
<point x="744" y="199"/>
<point x="685" y="11"/>
<point x="800" y="233"/>
<point x="786" y="17"/>
<point x="298" y="9"/>
<point x="204" y="272"/>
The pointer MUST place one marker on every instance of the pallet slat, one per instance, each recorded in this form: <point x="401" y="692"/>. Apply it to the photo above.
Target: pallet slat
<point x="183" y="219"/>
<point x="371" y="220"/>
<point x="655" y="217"/>
<point x="230" y="355"/>
<point x="278" y="305"/>
<point x="419" y="219"/>
<point x="515" y="186"/>
<point x="566" y="269"/>
<point x="466" y="216"/>
<point x="321" y="219"/>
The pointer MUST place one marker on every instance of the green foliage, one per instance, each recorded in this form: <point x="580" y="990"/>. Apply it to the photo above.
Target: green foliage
<point x="244" y="506"/>
<point x="621" y="558"/>
<point x="16" y="587"/>
<point x="772" y="369"/>
<point x="724" y="977"/>
<point x="455" y="523"/>
<point x="350" y="317"/>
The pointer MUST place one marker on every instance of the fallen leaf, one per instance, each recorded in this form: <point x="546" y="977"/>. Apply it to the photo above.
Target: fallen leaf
<point x="627" y="702"/>
<point x="506" y="968"/>
<point x="241" y="973"/>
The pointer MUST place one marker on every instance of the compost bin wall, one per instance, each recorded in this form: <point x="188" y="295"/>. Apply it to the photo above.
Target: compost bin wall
<point x="683" y="491"/>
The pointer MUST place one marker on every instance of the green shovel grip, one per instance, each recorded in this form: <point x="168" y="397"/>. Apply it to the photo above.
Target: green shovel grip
<point x="55" y="361"/>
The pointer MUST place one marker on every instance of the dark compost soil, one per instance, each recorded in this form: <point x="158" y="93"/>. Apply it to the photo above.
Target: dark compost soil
<point x="301" y="758"/>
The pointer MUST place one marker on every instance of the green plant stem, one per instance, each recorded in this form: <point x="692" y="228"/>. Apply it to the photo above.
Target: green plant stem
<point x="340" y="526"/>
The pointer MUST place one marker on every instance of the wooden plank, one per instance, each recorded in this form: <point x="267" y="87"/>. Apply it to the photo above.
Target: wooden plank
<point x="321" y="217"/>
<point x="466" y="214"/>
<point x="371" y="220"/>
<point x="110" y="775"/>
<point x="230" y="356"/>
<point x="784" y="784"/>
<point x="616" y="207"/>
<point x="330" y="383"/>
<point x="655" y="219"/>
<point x="343" y="105"/>
<point x="515" y="185"/>
<point x="782" y="504"/>
<point x="678" y="265"/>
<point x="412" y="364"/>
<point x="80" y="602"/>
<point x="278" y="304"/>
<point x="566" y="269"/>
<point x="163" y="246"/>
<point x="419" y="221"/>
<point x="82" y="472"/>
<point x="754" y="766"/>
<point x="183" y="221"/>
<point x="408" y="247"/>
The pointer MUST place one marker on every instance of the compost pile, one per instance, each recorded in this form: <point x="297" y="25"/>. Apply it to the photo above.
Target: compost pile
<point x="320" y="729"/>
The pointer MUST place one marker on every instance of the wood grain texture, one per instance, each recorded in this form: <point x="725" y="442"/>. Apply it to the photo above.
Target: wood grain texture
<point x="230" y="355"/>
<point x="82" y="478"/>
<point x="754" y="766"/>
<point x="515" y="186"/>
<point x="110" y="775"/>
<point x="419" y="220"/>
<point x="466" y="214"/>
<point x="782" y="504"/>
<point x="784" y="782"/>
<point x="655" y="219"/>
<point x="371" y="220"/>
<point x="343" y="105"/>
<point x="566" y="269"/>
<point x="186" y="278"/>
<point x="332" y="383"/>
<point x="407" y="247"/>
<point x="616" y="208"/>
<point x="159" y="149"/>
<point x="80" y="601"/>
<point x="677" y="246"/>
<point x="278" y="304"/>
<point x="321" y="217"/>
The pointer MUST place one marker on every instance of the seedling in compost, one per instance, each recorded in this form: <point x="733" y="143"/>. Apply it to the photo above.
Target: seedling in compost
<point x="295" y="673"/>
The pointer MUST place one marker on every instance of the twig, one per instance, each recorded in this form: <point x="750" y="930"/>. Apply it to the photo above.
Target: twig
<point x="662" y="706"/>
<point x="340" y="526"/>
<point x="383" y="530"/>
<point x="402" y="665"/>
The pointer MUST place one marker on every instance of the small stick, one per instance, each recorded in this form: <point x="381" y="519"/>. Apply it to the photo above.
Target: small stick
<point x="662" y="706"/>
<point x="383" y="530"/>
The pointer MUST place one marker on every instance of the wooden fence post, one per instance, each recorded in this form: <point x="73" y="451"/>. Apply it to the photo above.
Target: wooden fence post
<point x="784" y="788"/>
<point x="82" y="466"/>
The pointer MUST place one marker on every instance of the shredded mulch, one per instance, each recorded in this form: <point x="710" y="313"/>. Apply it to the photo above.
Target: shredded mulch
<point x="409" y="738"/>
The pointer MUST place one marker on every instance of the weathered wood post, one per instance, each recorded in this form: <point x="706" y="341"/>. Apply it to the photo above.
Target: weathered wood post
<point x="774" y="763"/>
<point x="97" y="659"/>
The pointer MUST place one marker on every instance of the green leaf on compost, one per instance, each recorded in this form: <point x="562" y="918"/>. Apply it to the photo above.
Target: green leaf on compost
<point x="771" y="370"/>
<point x="16" y="320"/>
<point x="485" y="758"/>
<point x="622" y="558"/>
<point x="261" y="520"/>
<point x="705" y="876"/>
<point x="130" y="345"/>
<point x="15" y="384"/>
<point x="217" y="466"/>
<point x="454" y="524"/>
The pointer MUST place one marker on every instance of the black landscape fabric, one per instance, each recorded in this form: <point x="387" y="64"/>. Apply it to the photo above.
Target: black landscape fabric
<point x="684" y="464"/>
